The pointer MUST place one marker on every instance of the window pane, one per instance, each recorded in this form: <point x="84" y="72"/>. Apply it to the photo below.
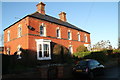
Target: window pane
<point x="8" y="36"/>
<point x="68" y="35"/>
<point x="41" y="30"/>
<point x="78" y="37"/>
<point x="46" y="50"/>
<point x="19" y="31"/>
<point x="40" y="47"/>
<point x="40" y="50"/>
<point x="58" y="33"/>
<point x="40" y="53"/>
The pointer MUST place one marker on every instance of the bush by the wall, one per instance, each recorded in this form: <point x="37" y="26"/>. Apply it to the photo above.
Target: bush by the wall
<point x="116" y="51"/>
<point x="100" y="56"/>
<point x="81" y="54"/>
<point x="60" y="54"/>
<point x="107" y="51"/>
<point x="81" y="48"/>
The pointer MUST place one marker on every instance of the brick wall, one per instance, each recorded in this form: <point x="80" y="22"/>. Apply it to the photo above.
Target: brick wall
<point x="14" y="40"/>
<point x="51" y="34"/>
<point x="27" y="41"/>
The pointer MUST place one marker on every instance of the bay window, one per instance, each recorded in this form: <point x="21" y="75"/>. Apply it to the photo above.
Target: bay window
<point x="43" y="49"/>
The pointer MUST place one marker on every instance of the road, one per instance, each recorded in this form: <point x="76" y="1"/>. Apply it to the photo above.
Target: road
<point x="111" y="73"/>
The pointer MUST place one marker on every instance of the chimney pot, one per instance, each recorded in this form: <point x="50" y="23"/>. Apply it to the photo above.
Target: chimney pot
<point x="62" y="16"/>
<point x="41" y="8"/>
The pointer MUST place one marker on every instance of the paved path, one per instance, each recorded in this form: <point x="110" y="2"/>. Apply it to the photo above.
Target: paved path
<point x="112" y="73"/>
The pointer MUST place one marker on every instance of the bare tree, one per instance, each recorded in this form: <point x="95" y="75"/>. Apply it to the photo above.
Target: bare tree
<point x="1" y="39"/>
<point x="102" y="45"/>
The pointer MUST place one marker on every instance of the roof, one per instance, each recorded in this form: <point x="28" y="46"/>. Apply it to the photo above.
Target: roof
<point x="51" y="19"/>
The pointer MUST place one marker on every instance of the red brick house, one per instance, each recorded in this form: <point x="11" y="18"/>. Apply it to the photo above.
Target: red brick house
<point x="36" y="32"/>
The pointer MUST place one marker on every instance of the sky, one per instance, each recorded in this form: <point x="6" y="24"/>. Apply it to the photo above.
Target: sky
<point x="98" y="18"/>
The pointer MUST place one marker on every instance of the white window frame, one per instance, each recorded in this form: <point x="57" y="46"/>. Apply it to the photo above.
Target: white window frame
<point x="85" y="37"/>
<point x="8" y="51"/>
<point x="78" y="35"/>
<point x="70" y="35"/>
<point x="42" y="42"/>
<point x="70" y="52"/>
<point x="8" y="36"/>
<point x="19" y="52"/>
<point x="59" y="32"/>
<point x="44" y="29"/>
<point x="19" y="30"/>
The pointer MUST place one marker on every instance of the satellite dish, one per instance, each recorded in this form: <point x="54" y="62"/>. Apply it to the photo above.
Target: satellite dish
<point x="31" y="28"/>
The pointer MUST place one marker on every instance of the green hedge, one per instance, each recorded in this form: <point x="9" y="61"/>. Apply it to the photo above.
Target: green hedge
<point x="81" y="48"/>
<point x="100" y="56"/>
<point x="81" y="54"/>
<point x="116" y="51"/>
<point x="97" y="55"/>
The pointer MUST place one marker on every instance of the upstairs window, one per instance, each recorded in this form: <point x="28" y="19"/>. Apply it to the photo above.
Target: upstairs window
<point x="8" y="36"/>
<point x="78" y="37"/>
<point x="85" y="38"/>
<point x="19" y="31"/>
<point x="42" y="30"/>
<point x="58" y="33"/>
<point x="69" y="35"/>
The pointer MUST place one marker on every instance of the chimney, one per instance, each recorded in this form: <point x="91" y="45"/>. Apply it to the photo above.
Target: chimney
<point x="41" y="8"/>
<point x="62" y="16"/>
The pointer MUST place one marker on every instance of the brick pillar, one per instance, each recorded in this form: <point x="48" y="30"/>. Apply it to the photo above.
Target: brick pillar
<point x="43" y="72"/>
<point x="60" y="71"/>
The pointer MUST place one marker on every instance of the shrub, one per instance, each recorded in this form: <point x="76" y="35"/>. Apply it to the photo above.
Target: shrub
<point x="116" y="51"/>
<point x="100" y="56"/>
<point x="81" y="54"/>
<point x="107" y="51"/>
<point x="60" y="54"/>
<point x="81" y="48"/>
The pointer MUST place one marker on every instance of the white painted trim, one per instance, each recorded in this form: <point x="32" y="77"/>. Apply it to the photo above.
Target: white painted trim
<point x="44" y="28"/>
<point x="85" y="38"/>
<point x="70" y="35"/>
<point x="79" y="38"/>
<point x="42" y="42"/>
<point x="8" y="50"/>
<point x="59" y="32"/>
<point x="19" y="34"/>
<point x="71" y="48"/>
<point x="8" y="35"/>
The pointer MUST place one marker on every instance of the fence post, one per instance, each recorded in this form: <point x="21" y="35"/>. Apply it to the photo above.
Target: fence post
<point x="60" y="71"/>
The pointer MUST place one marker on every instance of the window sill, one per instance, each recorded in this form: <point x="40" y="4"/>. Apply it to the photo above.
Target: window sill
<point x="43" y="35"/>
<point x="19" y="36"/>
<point x="59" y="37"/>
<point x="44" y="58"/>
